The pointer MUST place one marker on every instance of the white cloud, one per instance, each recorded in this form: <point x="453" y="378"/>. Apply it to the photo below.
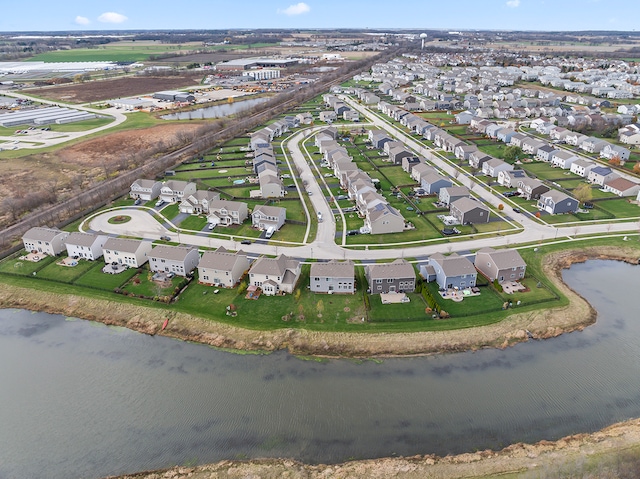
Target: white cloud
<point x="297" y="9"/>
<point x="82" y="20"/>
<point x="513" y="3"/>
<point x="112" y="17"/>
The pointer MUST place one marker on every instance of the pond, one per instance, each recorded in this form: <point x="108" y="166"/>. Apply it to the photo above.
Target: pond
<point x="216" y="111"/>
<point x="83" y="400"/>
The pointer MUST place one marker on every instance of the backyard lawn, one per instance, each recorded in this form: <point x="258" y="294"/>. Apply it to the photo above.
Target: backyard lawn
<point x="95" y="278"/>
<point x="65" y="274"/>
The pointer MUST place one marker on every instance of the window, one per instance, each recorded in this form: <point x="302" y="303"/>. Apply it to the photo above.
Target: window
<point x="389" y="280"/>
<point x="378" y="281"/>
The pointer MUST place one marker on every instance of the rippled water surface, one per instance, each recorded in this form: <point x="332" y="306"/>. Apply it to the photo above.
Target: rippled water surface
<point x="82" y="400"/>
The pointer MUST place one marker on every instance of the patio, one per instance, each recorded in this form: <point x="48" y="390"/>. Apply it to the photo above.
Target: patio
<point x="33" y="257"/>
<point x="458" y="295"/>
<point x="510" y="287"/>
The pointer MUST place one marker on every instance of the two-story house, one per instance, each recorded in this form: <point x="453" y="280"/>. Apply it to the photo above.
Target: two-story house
<point x="332" y="277"/>
<point x="222" y="268"/>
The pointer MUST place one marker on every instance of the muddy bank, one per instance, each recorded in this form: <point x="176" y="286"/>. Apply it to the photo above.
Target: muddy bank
<point x="541" y="324"/>
<point x="547" y="456"/>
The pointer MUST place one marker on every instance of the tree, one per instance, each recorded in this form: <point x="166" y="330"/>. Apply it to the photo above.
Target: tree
<point x="583" y="193"/>
<point x="636" y="167"/>
<point x="500" y="206"/>
<point x="615" y="161"/>
<point x="512" y="153"/>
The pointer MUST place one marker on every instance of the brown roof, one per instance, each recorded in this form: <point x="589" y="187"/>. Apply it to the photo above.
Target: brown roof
<point x="399" y="268"/>
<point x="333" y="269"/>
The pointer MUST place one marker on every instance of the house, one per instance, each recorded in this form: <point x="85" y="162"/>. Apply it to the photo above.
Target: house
<point x="173" y="191"/>
<point x="582" y="167"/>
<point x="85" y="245"/>
<point x="198" y="203"/>
<point x="275" y="275"/>
<point x="494" y="166"/>
<point x="622" y="187"/>
<point x="179" y="260"/>
<point x="222" y="268"/>
<point x="545" y="153"/>
<point x="509" y="178"/>
<point x="227" y="213"/>
<point x="421" y="170"/>
<point x="395" y="277"/>
<point x="264" y="217"/>
<point x="593" y="145"/>
<point x="328" y="116"/>
<point x="396" y="154"/>
<point x="555" y="202"/>
<point x="464" y="117"/>
<point x="305" y="118"/>
<point x="450" y="194"/>
<point x="466" y="210"/>
<point x="563" y="159"/>
<point x="408" y="162"/>
<point x="532" y="145"/>
<point x="48" y="241"/>
<point x="432" y="182"/>
<point x="478" y="158"/>
<point x="463" y="151"/>
<point x="332" y="277"/>
<point x="271" y="185"/>
<point x="146" y="190"/>
<point x="601" y="174"/>
<point x="614" y="151"/>
<point x="453" y="271"/>
<point x="531" y="188"/>
<point x="383" y="218"/>
<point x="501" y="265"/>
<point x="129" y="252"/>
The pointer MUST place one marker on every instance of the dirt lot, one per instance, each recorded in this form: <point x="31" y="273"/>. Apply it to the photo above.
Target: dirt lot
<point x="80" y="165"/>
<point x="118" y="88"/>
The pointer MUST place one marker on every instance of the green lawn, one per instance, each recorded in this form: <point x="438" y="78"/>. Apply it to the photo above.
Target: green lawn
<point x="193" y="222"/>
<point x="621" y="208"/>
<point x="142" y="284"/>
<point x="411" y="311"/>
<point x="488" y="302"/>
<point x="95" y="278"/>
<point x="65" y="274"/>
<point x="397" y="176"/>
<point x="171" y="211"/>
<point x="24" y="268"/>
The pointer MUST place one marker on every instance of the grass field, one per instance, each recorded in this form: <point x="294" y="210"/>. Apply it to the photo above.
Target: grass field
<point x="95" y="278"/>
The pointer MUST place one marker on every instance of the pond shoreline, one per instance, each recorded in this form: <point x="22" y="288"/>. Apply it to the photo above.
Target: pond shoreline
<point x="516" y="328"/>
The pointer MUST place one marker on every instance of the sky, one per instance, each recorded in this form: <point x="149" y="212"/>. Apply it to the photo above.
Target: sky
<point x="545" y="15"/>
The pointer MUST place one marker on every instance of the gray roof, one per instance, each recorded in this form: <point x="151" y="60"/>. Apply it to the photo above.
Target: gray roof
<point x="503" y="258"/>
<point x="42" y="234"/>
<point x="456" y="190"/>
<point x="333" y="269"/>
<point x="122" y="244"/>
<point x="454" y="265"/>
<point x="555" y="195"/>
<point x="173" y="253"/>
<point x="467" y="204"/>
<point x="176" y="185"/>
<point x="142" y="183"/>
<point x="399" y="268"/>
<point x="220" y="259"/>
<point x="270" y="210"/>
<point x="274" y="266"/>
<point x="80" y="239"/>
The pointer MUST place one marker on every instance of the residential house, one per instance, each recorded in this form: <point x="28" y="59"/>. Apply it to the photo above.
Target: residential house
<point x="531" y="188"/>
<point x="463" y="151"/>
<point x="271" y="185"/>
<point x="622" y="187"/>
<point x="582" y="167"/>
<point x="614" y="151"/>
<point x="593" y="145"/>
<point x="145" y="190"/>
<point x="222" y="268"/>
<point x="509" y="178"/>
<point x="531" y="146"/>
<point x="227" y="213"/>
<point x="478" y="158"/>
<point x="421" y="170"/>
<point x="173" y="191"/>
<point x="275" y="275"/>
<point x="328" y="116"/>
<point x="494" y="166"/>
<point x="432" y="182"/>
<point x="453" y="271"/>
<point x="264" y="217"/>
<point x="600" y="175"/>
<point x="563" y="159"/>
<point x="450" y="194"/>
<point x="408" y="162"/>
<point x="305" y="118"/>
<point x="556" y="202"/>
<point x="384" y="218"/>
<point x="398" y="276"/>
<point x="179" y="260"/>
<point x="545" y="153"/>
<point x="501" y="265"/>
<point x="48" y="241"/>
<point x="333" y="277"/>
<point x="465" y="210"/>
<point x="397" y="153"/>
<point x="198" y="203"/>
<point x="129" y="252"/>
<point x="85" y="245"/>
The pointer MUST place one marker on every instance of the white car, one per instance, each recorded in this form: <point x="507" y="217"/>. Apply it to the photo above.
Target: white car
<point x="211" y="226"/>
<point x="159" y="202"/>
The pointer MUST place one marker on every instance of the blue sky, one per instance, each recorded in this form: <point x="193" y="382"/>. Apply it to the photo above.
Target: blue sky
<point x="52" y="15"/>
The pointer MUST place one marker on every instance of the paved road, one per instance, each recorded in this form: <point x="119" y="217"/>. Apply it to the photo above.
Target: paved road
<point x="51" y="138"/>
<point x="144" y="225"/>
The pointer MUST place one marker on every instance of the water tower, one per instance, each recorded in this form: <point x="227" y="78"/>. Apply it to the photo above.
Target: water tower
<point x="422" y="37"/>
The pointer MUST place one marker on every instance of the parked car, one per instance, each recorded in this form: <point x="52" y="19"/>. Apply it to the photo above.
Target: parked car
<point x="165" y="238"/>
<point x="245" y="242"/>
<point x="137" y="201"/>
<point x="210" y="226"/>
<point x="159" y="203"/>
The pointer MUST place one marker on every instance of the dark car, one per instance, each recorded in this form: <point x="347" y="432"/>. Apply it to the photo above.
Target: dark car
<point x="137" y="201"/>
<point x="587" y="206"/>
<point x="245" y="242"/>
<point x="165" y="238"/>
<point x="517" y="210"/>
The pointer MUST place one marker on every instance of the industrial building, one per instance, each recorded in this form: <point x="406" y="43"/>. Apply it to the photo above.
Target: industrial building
<point x="171" y="95"/>
<point x="241" y="64"/>
<point x="261" y="74"/>
<point x="44" y="116"/>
